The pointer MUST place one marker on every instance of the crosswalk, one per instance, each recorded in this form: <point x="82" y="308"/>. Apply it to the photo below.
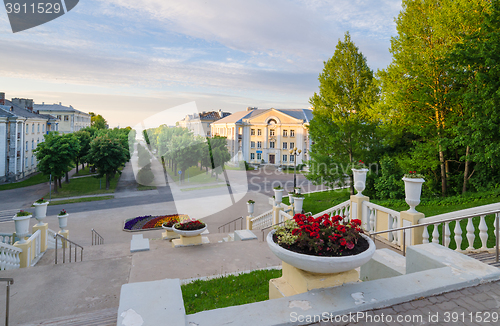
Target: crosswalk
<point x="7" y="215"/>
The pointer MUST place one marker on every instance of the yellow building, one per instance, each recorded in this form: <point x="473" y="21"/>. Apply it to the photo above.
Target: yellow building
<point x="266" y="135"/>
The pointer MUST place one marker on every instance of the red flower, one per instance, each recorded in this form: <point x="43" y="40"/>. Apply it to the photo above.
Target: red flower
<point x="341" y="229"/>
<point x="350" y="245"/>
<point x="343" y="242"/>
<point x="295" y="231"/>
<point x="356" y="222"/>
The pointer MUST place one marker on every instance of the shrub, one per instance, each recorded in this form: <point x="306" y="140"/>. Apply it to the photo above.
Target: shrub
<point x="145" y="176"/>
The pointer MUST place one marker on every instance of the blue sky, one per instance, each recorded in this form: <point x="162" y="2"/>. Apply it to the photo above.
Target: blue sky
<point x="128" y="59"/>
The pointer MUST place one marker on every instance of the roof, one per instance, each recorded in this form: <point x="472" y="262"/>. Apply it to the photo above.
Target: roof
<point x="56" y="107"/>
<point x="20" y="111"/>
<point x="302" y="114"/>
<point x="4" y="112"/>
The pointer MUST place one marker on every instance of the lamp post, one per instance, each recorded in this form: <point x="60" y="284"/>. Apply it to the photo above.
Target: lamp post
<point x="295" y="152"/>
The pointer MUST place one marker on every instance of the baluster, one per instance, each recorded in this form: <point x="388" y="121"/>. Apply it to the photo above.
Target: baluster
<point x="447" y="233"/>
<point x="348" y="210"/>
<point x="483" y="233"/>
<point x="470" y="234"/>
<point x="495" y="224"/>
<point x="425" y="235"/>
<point x="389" y="227"/>
<point x="372" y="220"/>
<point x="395" y="234"/>
<point x="2" y="259"/>
<point x="458" y="235"/>
<point x="435" y="234"/>
<point x="10" y="260"/>
<point x="17" y="263"/>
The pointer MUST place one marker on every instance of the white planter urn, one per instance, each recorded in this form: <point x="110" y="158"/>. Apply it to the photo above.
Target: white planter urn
<point x="359" y="176"/>
<point x="40" y="211"/>
<point x="278" y="195"/>
<point x="413" y="190"/>
<point x="291" y="198"/>
<point x="298" y="202"/>
<point x="190" y="233"/>
<point x="318" y="264"/>
<point x="63" y="221"/>
<point x="22" y="225"/>
<point x="250" y="207"/>
<point x="297" y="190"/>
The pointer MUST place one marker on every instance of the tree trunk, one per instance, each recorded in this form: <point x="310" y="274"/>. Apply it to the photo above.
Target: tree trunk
<point x="55" y="184"/>
<point x="67" y="177"/>
<point x="443" y="172"/>
<point x="107" y="181"/>
<point x="76" y="166"/>
<point x="83" y="166"/>
<point x="352" y="175"/>
<point x="466" y="171"/>
<point x="60" y="182"/>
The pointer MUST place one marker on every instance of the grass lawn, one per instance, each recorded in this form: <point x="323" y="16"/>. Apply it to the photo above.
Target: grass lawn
<point x="85" y="186"/>
<point x="194" y="175"/>
<point x="34" y="180"/>
<point x="83" y="172"/>
<point x="227" y="291"/>
<point x="319" y="201"/>
<point x="142" y="188"/>
<point x="79" y="200"/>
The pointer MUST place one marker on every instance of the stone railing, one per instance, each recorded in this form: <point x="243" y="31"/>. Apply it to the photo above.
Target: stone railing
<point x="34" y="250"/>
<point x="284" y="216"/>
<point x="471" y="215"/>
<point x="9" y="256"/>
<point x="342" y="209"/>
<point x="376" y="218"/>
<point x="51" y="243"/>
<point x="6" y="238"/>
<point x="262" y="221"/>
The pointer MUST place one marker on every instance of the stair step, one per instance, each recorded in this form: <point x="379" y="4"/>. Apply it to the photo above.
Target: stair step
<point x="105" y="317"/>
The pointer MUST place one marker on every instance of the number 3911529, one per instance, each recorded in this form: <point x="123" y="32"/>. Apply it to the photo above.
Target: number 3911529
<point x="40" y="8"/>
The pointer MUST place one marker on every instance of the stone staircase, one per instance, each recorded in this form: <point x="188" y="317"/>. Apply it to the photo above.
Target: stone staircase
<point x="104" y="317"/>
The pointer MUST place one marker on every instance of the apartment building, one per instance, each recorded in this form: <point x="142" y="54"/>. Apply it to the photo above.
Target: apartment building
<point x="199" y="123"/>
<point x="71" y="120"/>
<point x="21" y="130"/>
<point x="266" y="135"/>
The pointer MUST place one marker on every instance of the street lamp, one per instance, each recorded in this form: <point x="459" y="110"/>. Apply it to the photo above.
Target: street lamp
<point x="295" y="153"/>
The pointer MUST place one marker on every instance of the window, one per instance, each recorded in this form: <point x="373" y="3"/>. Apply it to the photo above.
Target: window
<point x="284" y="145"/>
<point x="259" y="144"/>
<point x="32" y="160"/>
<point x="59" y="117"/>
<point x="292" y="133"/>
<point x="252" y="132"/>
<point x="284" y="158"/>
<point x="252" y="156"/>
<point x="259" y="132"/>
<point x="26" y="148"/>
<point x="37" y="141"/>
<point x="252" y="144"/>
<point x="38" y="128"/>
<point x="26" y="161"/>
<point x="66" y="118"/>
<point x="259" y="156"/>
<point x="292" y="145"/>
<point x="271" y="132"/>
<point x="43" y="128"/>
<point x="285" y="133"/>
<point x="292" y="158"/>
<point x="27" y="129"/>
<point x="271" y="144"/>
<point x="32" y="143"/>
<point x="33" y="128"/>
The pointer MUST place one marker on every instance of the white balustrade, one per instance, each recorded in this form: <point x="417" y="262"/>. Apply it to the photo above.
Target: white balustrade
<point x="263" y="220"/>
<point x="51" y="243"/>
<point x="283" y="216"/>
<point x="483" y="233"/>
<point x="342" y="209"/>
<point x="458" y="236"/>
<point x="6" y="238"/>
<point x="425" y="236"/>
<point x="370" y="214"/>
<point x="447" y="234"/>
<point x="435" y="234"/>
<point x="34" y="250"/>
<point x="470" y="234"/>
<point x="9" y="257"/>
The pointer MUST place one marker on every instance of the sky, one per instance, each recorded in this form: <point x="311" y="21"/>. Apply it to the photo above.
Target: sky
<point x="130" y="59"/>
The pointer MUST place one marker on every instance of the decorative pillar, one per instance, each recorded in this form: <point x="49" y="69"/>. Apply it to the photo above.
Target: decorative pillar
<point x="24" y="257"/>
<point x="44" y="227"/>
<point x="249" y="223"/>
<point x="64" y="233"/>
<point x="356" y="211"/>
<point x="413" y="236"/>
<point x="276" y="214"/>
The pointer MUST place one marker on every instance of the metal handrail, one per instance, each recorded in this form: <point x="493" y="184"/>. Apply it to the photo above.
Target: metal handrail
<point x="403" y="228"/>
<point x="9" y="281"/>
<point x="229" y="225"/>
<point x="63" y="239"/>
<point x="97" y="239"/>
<point x="268" y="227"/>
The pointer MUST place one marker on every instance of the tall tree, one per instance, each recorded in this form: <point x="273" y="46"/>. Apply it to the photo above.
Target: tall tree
<point x="341" y="129"/>
<point x="84" y="140"/>
<point x="219" y="154"/>
<point x="415" y="85"/>
<point x="97" y="121"/>
<point x="108" y="155"/>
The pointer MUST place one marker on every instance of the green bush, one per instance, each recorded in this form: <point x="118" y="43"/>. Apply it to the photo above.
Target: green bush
<point x="145" y="176"/>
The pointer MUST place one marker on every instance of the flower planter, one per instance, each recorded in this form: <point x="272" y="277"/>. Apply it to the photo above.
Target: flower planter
<point x="413" y="189"/>
<point x="22" y="225"/>
<point x="318" y="264"/>
<point x="250" y="207"/>
<point x="278" y="195"/>
<point x="40" y="211"/>
<point x="297" y="190"/>
<point x="63" y="221"/>
<point x="359" y="176"/>
<point x="190" y="233"/>
<point x="291" y="198"/>
<point x="170" y="229"/>
<point x="298" y="202"/>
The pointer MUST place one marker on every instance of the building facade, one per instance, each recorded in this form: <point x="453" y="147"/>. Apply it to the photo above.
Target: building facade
<point x="199" y="123"/>
<point x="266" y="135"/>
<point x="21" y="130"/>
<point x="71" y="120"/>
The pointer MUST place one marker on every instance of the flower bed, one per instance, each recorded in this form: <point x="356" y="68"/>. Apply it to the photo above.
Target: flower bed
<point x="149" y="222"/>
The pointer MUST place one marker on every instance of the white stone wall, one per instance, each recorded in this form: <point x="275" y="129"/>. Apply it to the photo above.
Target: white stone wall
<point x="3" y="149"/>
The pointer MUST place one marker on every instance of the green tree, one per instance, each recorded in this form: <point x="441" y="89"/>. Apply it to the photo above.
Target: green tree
<point x="97" y="121"/>
<point x="341" y="129"/>
<point x="219" y="154"/>
<point x="108" y="155"/>
<point x="416" y="84"/>
<point x="84" y="140"/>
